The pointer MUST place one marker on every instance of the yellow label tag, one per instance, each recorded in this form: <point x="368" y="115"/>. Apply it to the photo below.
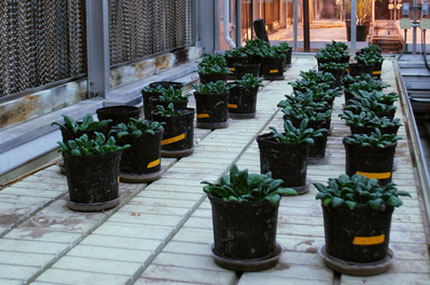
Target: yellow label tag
<point x="117" y="179"/>
<point x="377" y="72"/>
<point x="232" y="106"/>
<point x="346" y="69"/>
<point x="368" y="240"/>
<point x="273" y="71"/>
<point x="174" y="139"/>
<point x="203" y="115"/>
<point x="232" y="69"/>
<point x="153" y="163"/>
<point x="381" y="175"/>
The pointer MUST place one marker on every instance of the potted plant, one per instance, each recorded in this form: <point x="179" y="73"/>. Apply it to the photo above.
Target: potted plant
<point x="233" y="57"/>
<point x="357" y="218"/>
<point x="242" y="101"/>
<point x="244" y="215"/>
<point x="372" y="55"/>
<point x="364" y="11"/>
<point x="178" y="136"/>
<point x="213" y="68"/>
<point x="285" y="154"/>
<point x="141" y="162"/>
<point x="348" y="79"/>
<point x="371" y="155"/>
<point x="118" y="114"/>
<point x="255" y="49"/>
<point x="302" y="85"/>
<point x="366" y="122"/>
<point x="284" y="48"/>
<point x="169" y="95"/>
<point x="92" y="167"/>
<point x="155" y="89"/>
<point x="273" y="68"/>
<point x="305" y="100"/>
<point x="336" y="69"/>
<point x="353" y="89"/>
<point x="335" y="52"/>
<point x="212" y="105"/>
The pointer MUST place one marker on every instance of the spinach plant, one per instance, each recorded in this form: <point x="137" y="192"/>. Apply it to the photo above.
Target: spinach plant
<point x="218" y="87"/>
<point x="302" y="100"/>
<point x="83" y="146"/>
<point x="368" y="120"/>
<point x="333" y="66"/>
<point x="358" y="190"/>
<point x="305" y="112"/>
<point x="168" y="111"/>
<point x="240" y="186"/>
<point x="302" y="134"/>
<point x="87" y="124"/>
<point x="360" y="104"/>
<point x="235" y="53"/>
<point x="375" y="139"/>
<point x="318" y="76"/>
<point x="172" y="95"/>
<point x="136" y="128"/>
<point x="248" y="80"/>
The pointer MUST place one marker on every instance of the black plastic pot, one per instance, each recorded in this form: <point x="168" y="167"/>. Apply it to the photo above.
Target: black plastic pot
<point x="147" y="95"/>
<point x="206" y="78"/>
<point x="273" y="68"/>
<point x="242" y="69"/>
<point x="288" y="57"/>
<point x="178" y="137"/>
<point x="93" y="179"/>
<point x="242" y="103"/>
<point x="355" y="69"/>
<point x="361" y="235"/>
<point x="244" y="230"/>
<point x="368" y="130"/>
<point x="144" y="154"/>
<point x="118" y="114"/>
<point x="371" y="162"/>
<point x="212" y="110"/>
<point x="154" y="101"/>
<point x="361" y="32"/>
<point x="377" y="70"/>
<point x="256" y="59"/>
<point x="317" y="150"/>
<point x="286" y="161"/>
<point x="231" y="62"/>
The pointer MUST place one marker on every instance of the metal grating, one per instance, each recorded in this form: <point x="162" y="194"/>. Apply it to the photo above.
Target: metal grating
<point x="139" y="28"/>
<point x="41" y="41"/>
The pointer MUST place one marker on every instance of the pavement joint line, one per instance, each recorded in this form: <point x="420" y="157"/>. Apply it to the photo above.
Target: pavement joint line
<point x="186" y="217"/>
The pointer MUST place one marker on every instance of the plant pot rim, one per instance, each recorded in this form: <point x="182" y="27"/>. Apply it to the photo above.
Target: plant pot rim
<point x="114" y="153"/>
<point x="267" y="137"/>
<point x="360" y="208"/>
<point x="211" y="94"/>
<point x="184" y="111"/>
<point x="258" y="203"/>
<point x="372" y="147"/>
<point x="143" y="134"/>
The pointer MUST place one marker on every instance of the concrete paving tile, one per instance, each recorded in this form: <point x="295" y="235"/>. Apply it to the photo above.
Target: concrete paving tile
<point x="170" y="273"/>
<point x="165" y="193"/>
<point x="96" y="265"/>
<point x="173" y="211"/>
<point x="45" y="235"/>
<point x="42" y="186"/>
<point x="155" y="202"/>
<point x="387" y="278"/>
<point x="17" y="272"/>
<point x="303" y="230"/>
<point x="82" y="278"/>
<point x="410" y="251"/>
<point x="301" y="244"/>
<point x="25" y="200"/>
<point x="187" y="260"/>
<point x="11" y="213"/>
<point x="192" y="176"/>
<point x="136" y="231"/>
<point x="109" y="253"/>
<point x="297" y="271"/>
<point x="36" y="179"/>
<point x="31" y="192"/>
<point x="191" y="248"/>
<point x="180" y="189"/>
<point x="133" y="243"/>
<point x="145" y="219"/>
<point x="258" y="278"/>
<point x="410" y="266"/>
<point x="193" y="235"/>
<point x="8" y="281"/>
<point x="27" y="259"/>
<point x="32" y="246"/>
<point x="142" y="281"/>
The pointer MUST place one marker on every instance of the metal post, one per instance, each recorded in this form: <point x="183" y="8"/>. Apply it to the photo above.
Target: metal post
<point x="238" y="19"/>
<point x="414" y="27"/>
<point x="306" y="43"/>
<point x="353" y="25"/>
<point x="98" y="48"/>
<point x="296" y="23"/>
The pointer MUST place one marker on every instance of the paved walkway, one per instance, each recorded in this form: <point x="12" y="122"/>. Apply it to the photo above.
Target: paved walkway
<point x="160" y="232"/>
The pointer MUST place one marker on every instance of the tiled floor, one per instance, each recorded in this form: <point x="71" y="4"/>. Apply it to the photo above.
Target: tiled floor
<point x="160" y="232"/>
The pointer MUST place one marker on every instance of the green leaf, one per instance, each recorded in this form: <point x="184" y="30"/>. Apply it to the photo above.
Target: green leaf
<point x="286" y="192"/>
<point x="336" y="202"/>
<point x="327" y="201"/>
<point x="273" y="199"/>
<point x="351" y="205"/>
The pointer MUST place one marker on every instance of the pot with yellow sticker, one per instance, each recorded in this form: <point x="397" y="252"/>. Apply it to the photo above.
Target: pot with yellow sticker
<point x="357" y="217"/>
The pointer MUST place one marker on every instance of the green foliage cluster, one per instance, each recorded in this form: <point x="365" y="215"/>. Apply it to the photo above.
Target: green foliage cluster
<point x="302" y="134"/>
<point x="358" y="190"/>
<point x="240" y="186"/>
<point x="283" y="47"/>
<point x="318" y="76"/>
<point x="332" y="65"/>
<point x="236" y="53"/>
<point x="136" y="128"/>
<point x="348" y="80"/>
<point x="168" y="111"/>
<point x="368" y="120"/>
<point x="366" y="102"/>
<point x="256" y="47"/>
<point x="370" y="85"/>
<point x="83" y="146"/>
<point x="304" y="100"/>
<point x="219" y="87"/>
<point x="172" y="95"/>
<point x="213" y="64"/>
<point x="370" y="55"/>
<point x="87" y="124"/>
<point x="334" y="52"/>
<point x="375" y="139"/>
<point x="305" y="112"/>
<point x="157" y="89"/>
<point x="248" y="80"/>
